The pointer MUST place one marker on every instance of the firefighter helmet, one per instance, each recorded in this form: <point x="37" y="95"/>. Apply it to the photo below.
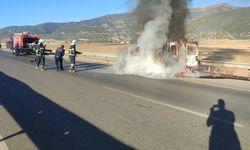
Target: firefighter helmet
<point x="73" y="42"/>
<point x="41" y="41"/>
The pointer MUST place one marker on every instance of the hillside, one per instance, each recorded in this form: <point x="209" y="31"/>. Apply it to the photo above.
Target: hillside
<point x="216" y="21"/>
<point x="231" y="24"/>
<point x="199" y="12"/>
<point x="103" y="29"/>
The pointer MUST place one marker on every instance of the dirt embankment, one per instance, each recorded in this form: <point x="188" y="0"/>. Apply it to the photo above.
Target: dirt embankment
<point x="234" y="51"/>
<point x="237" y="51"/>
<point x="94" y="47"/>
<point x="216" y="50"/>
<point x="101" y="50"/>
<point x="225" y="50"/>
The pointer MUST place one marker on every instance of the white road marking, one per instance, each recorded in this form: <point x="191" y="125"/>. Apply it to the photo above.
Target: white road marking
<point x="214" y="85"/>
<point x="170" y="106"/>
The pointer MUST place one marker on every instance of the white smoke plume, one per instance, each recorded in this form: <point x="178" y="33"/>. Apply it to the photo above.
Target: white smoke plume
<point x="163" y="20"/>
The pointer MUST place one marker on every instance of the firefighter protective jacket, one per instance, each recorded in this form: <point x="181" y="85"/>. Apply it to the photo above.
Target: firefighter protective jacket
<point x="39" y="49"/>
<point x="72" y="50"/>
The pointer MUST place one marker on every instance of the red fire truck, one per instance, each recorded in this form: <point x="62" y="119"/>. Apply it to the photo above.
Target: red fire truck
<point x="22" y="42"/>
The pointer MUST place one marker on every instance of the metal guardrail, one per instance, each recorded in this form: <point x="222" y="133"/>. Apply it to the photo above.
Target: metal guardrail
<point x="202" y="62"/>
<point x="225" y="64"/>
<point x="93" y="54"/>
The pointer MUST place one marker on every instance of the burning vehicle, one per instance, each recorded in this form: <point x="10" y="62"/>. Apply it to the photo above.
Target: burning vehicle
<point x="160" y="50"/>
<point x="192" y="55"/>
<point x="189" y="56"/>
<point x="191" y="52"/>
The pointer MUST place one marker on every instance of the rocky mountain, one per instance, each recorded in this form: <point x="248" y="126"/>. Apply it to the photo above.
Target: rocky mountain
<point x="234" y="24"/>
<point x="211" y="20"/>
<point x="108" y="28"/>
<point x="199" y="12"/>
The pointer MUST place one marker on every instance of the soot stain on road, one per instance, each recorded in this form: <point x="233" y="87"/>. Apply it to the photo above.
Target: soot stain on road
<point x="54" y="128"/>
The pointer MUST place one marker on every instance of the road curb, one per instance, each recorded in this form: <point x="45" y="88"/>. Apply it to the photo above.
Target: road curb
<point x="3" y="145"/>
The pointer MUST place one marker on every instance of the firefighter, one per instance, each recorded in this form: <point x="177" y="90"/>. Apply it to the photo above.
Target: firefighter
<point x="72" y="56"/>
<point x="59" y="58"/>
<point x="17" y="49"/>
<point x="40" y="54"/>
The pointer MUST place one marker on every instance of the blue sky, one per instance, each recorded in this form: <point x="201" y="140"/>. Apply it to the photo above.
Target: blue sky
<point x="30" y="12"/>
<point x="241" y="3"/>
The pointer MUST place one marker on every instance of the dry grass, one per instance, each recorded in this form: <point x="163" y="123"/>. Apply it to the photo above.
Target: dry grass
<point x="102" y="48"/>
<point x="217" y="50"/>
<point x="225" y="44"/>
<point x="94" y="47"/>
<point x="226" y="50"/>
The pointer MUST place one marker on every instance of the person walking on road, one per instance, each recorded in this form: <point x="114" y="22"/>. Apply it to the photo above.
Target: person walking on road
<point x="1" y="47"/>
<point x="40" y="54"/>
<point x="72" y="56"/>
<point x="16" y="50"/>
<point x="59" y="58"/>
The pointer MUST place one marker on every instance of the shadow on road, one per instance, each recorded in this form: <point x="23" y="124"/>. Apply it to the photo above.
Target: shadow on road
<point x="223" y="135"/>
<point x="82" y="66"/>
<point x="48" y="125"/>
<point x="50" y="63"/>
<point x="90" y="66"/>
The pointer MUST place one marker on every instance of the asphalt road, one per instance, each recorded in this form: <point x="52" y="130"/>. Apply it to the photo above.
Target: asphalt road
<point x="94" y="109"/>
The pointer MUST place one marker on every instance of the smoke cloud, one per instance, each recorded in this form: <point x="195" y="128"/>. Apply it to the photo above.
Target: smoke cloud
<point x="160" y="21"/>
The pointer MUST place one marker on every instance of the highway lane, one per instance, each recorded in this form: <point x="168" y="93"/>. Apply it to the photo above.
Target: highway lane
<point x="133" y="111"/>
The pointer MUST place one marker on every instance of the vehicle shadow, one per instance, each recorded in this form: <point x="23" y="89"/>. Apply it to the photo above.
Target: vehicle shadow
<point x="223" y="135"/>
<point x="49" y="125"/>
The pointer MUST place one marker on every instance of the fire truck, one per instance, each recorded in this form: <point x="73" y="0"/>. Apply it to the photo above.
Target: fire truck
<point x="23" y="42"/>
